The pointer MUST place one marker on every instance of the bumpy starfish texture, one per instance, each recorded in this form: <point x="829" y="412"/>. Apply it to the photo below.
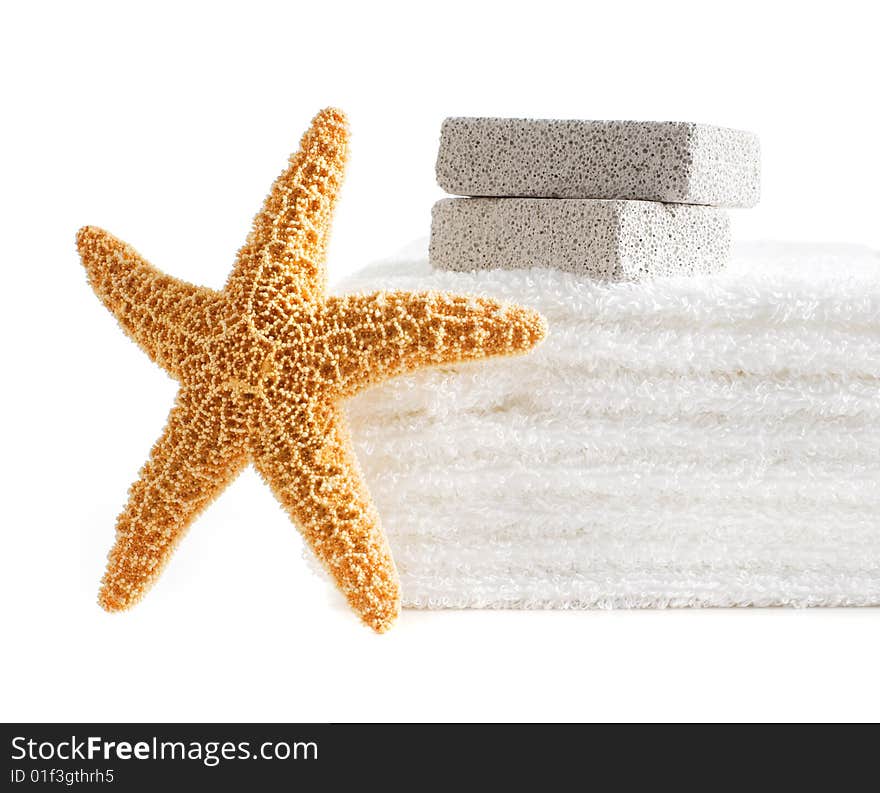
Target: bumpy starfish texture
<point x="263" y="365"/>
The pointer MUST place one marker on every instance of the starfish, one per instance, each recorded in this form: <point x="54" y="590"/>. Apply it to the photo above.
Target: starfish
<point x="263" y="366"/>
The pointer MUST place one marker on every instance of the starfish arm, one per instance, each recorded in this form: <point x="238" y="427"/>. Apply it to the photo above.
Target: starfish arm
<point x="284" y="254"/>
<point x="305" y="457"/>
<point x="162" y="314"/>
<point x="380" y="335"/>
<point x="196" y="456"/>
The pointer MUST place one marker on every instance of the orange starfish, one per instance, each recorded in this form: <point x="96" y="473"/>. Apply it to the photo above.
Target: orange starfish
<point x="263" y="364"/>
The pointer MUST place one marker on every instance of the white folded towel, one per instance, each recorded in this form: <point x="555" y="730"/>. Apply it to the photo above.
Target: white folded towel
<point x="703" y="441"/>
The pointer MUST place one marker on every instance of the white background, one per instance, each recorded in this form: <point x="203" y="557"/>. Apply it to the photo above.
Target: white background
<point x="166" y="124"/>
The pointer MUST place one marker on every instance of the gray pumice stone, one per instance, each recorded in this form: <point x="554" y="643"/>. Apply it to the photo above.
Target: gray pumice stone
<point x="669" y="161"/>
<point x="602" y="239"/>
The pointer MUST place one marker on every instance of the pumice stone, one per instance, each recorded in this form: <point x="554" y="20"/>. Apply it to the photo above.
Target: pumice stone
<point x="606" y="240"/>
<point x="670" y="161"/>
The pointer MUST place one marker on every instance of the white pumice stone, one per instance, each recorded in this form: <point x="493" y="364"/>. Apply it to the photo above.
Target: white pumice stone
<point x="670" y="161"/>
<point x="602" y="239"/>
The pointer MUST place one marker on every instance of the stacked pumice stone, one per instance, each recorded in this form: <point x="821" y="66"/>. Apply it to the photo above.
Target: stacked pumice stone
<point x="618" y="200"/>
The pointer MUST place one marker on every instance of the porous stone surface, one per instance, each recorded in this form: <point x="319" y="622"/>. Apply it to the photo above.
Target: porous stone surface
<point x="670" y="161"/>
<point x="603" y="239"/>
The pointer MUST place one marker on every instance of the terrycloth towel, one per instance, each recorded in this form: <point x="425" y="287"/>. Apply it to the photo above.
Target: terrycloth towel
<point x="704" y="441"/>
